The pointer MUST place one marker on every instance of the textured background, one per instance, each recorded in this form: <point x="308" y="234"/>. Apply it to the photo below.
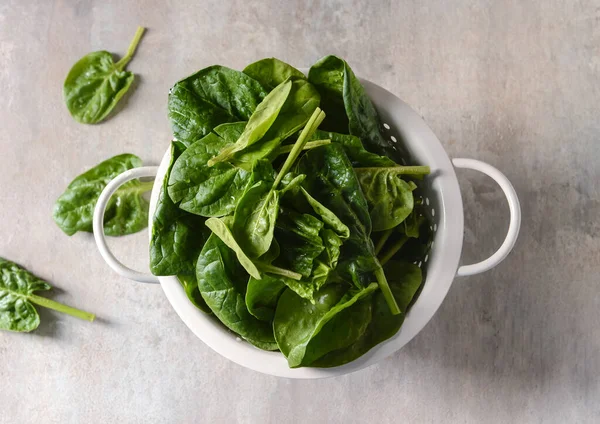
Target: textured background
<point x="513" y="83"/>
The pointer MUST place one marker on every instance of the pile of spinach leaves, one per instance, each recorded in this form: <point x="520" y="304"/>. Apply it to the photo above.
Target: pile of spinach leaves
<point x="285" y="213"/>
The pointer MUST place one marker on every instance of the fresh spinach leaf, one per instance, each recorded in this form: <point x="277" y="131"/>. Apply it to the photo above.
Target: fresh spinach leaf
<point x="328" y="77"/>
<point x="355" y="150"/>
<point x="332" y="181"/>
<point x="300" y="234"/>
<point x="17" y="296"/>
<point x="404" y="280"/>
<point x="262" y="296"/>
<point x="256" y="213"/>
<point x="177" y="236"/>
<point x="206" y="190"/>
<point x="210" y="97"/>
<point x="298" y="322"/>
<point x="222" y="284"/>
<point x="295" y="113"/>
<point x="127" y="210"/>
<point x="390" y="198"/>
<point x="190" y="285"/>
<point x="258" y="124"/>
<point x="342" y="92"/>
<point x="95" y="84"/>
<point x="222" y="231"/>
<point x="271" y="72"/>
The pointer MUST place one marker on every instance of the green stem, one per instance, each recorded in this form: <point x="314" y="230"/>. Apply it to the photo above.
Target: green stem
<point x="393" y="250"/>
<point x="386" y="291"/>
<point x="278" y="271"/>
<point x="310" y="145"/>
<point x="131" y="50"/>
<point x="400" y="170"/>
<point x="51" y="304"/>
<point x="381" y="242"/>
<point x="311" y="126"/>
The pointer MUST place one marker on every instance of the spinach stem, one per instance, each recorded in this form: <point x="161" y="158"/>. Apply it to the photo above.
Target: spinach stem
<point x="271" y="269"/>
<point x="381" y="242"/>
<point x="310" y="145"/>
<point x="406" y="170"/>
<point x="386" y="291"/>
<point x="51" y="304"/>
<point x="393" y="250"/>
<point x="311" y="126"/>
<point x="131" y="50"/>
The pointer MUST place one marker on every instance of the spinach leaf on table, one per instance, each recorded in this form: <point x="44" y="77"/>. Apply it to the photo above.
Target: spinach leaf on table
<point x="206" y="190"/>
<point x="404" y="280"/>
<point x="17" y="296"/>
<point x="95" y="84"/>
<point x="343" y="96"/>
<point x="177" y="235"/>
<point x="332" y="181"/>
<point x="222" y="284"/>
<point x="298" y="322"/>
<point x="271" y="72"/>
<point x="210" y="97"/>
<point x="127" y="210"/>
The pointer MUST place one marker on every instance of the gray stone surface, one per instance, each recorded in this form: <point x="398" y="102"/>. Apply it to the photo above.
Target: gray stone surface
<point x="513" y="83"/>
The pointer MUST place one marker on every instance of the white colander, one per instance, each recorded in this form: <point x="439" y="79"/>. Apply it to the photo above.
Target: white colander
<point x="441" y="195"/>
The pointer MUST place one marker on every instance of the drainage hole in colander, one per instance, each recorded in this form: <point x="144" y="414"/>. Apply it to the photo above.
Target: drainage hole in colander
<point x="419" y="264"/>
<point x="434" y="227"/>
<point x="393" y="139"/>
<point x="427" y="201"/>
<point x="432" y="212"/>
<point x="386" y="126"/>
<point x="426" y="257"/>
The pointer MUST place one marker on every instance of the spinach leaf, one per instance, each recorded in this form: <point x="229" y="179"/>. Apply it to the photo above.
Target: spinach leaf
<point x="190" y="285"/>
<point x="328" y="77"/>
<point x="389" y="197"/>
<point x="177" y="236"/>
<point x="259" y="123"/>
<point x="355" y="150"/>
<point x="413" y="237"/>
<point x="257" y="210"/>
<point x="271" y="72"/>
<point x="298" y="322"/>
<point x="17" y="287"/>
<point x="299" y="233"/>
<point x="342" y="92"/>
<point x="222" y="281"/>
<point x="262" y="296"/>
<point x="221" y="230"/>
<point x="295" y="113"/>
<point x="206" y="190"/>
<point x="95" y="84"/>
<point x="127" y="210"/>
<point x="404" y="280"/>
<point x="332" y="181"/>
<point x="210" y="97"/>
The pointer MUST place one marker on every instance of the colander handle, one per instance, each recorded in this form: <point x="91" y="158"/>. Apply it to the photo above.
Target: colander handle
<point x="515" y="216"/>
<point x="98" y="223"/>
